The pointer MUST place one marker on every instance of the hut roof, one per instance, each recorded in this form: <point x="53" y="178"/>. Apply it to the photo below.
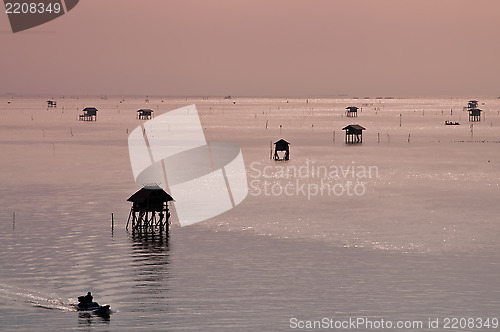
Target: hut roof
<point x="150" y="192"/>
<point x="90" y="110"/>
<point x="352" y="108"/>
<point x="147" y="110"/>
<point x="282" y="141"/>
<point x="473" y="101"/>
<point x="354" y="126"/>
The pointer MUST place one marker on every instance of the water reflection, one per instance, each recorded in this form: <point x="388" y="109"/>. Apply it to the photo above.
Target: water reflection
<point x="149" y="259"/>
<point x="87" y="319"/>
<point x="154" y="243"/>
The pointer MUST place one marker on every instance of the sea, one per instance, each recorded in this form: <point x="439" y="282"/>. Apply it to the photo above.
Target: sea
<point x="399" y="232"/>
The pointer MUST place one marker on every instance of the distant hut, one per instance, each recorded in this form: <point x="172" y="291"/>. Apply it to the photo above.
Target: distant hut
<point x="475" y="114"/>
<point x="280" y="146"/>
<point x="51" y="103"/>
<point x="351" y="111"/>
<point x="88" y="114"/>
<point x="144" y="114"/>
<point x="149" y="211"/>
<point x="354" y="133"/>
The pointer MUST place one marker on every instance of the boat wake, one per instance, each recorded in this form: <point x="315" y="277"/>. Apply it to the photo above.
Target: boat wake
<point x="35" y="298"/>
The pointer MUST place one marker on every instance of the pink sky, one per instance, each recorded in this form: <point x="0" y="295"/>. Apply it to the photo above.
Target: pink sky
<point x="259" y="48"/>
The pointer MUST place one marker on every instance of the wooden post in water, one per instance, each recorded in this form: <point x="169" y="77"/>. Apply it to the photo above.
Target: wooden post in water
<point x="112" y="221"/>
<point x="270" y="149"/>
<point x="378" y="137"/>
<point x="13" y="219"/>
<point x="400" y="119"/>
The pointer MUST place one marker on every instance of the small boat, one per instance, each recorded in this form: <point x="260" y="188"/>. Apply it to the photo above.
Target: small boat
<point x="94" y="308"/>
<point x="449" y="123"/>
<point x="90" y="306"/>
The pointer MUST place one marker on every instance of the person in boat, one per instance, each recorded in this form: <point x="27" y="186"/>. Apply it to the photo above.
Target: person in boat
<point x="87" y="299"/>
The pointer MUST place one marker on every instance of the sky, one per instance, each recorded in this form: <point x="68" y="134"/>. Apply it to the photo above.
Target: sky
<point x="295" y="48"/>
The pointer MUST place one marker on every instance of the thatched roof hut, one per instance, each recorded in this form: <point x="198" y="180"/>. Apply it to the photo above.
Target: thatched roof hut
<point x="149" y="210"/>
<point x="150" y="198"/>
<point x="89" y="114"/>
<point x="281" y="145"/>
<point x="352" y="111"/>
<point x="144" y="114"/>
<point x="354" y="133"/>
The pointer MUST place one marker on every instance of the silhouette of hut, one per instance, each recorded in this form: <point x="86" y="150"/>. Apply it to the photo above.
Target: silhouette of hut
<point x="88" y="114"/>
<point x="475" y="114"/>
<point x="351" y="111"/>
<point x="281" y="145"/>
<point x="354" y="133"/>
<point x="51" y="103"/>
<point x="149" y="211"/>
<point x="144" y="114"/>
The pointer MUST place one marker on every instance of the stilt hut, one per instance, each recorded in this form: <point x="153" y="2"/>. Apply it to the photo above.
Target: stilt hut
<point x="475" y="114"/>
<point x="88" y="114"/>
<point x="144" y="114"/>
<point x="354" y="133"/>
<point x="351" y="111"/>
<point x="280" y="146"/>
<point x="51" y="103"/>
<point x="149" y="211"/>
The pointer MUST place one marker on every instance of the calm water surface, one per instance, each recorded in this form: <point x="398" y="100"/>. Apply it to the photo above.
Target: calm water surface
<point x="422" y="243"/>
<point x="200" y="279"/>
